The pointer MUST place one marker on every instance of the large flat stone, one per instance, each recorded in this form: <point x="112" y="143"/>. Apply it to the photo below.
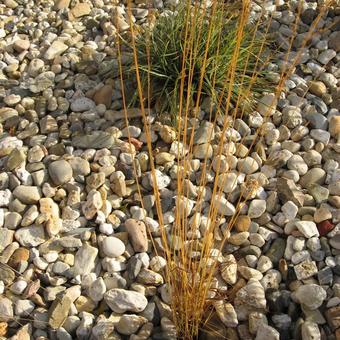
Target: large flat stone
<point x="98" y="140"/>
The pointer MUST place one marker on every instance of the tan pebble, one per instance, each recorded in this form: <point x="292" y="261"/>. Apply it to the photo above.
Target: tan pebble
<point x="334" y="126"/>
<point x="104" y="96"/>
<point x="242" y="223"/>
<point x="3" y="328"/>
<point x="317" y="87"/>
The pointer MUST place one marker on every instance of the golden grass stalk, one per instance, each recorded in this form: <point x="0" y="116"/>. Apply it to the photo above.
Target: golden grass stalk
<point x="192" y="263"/>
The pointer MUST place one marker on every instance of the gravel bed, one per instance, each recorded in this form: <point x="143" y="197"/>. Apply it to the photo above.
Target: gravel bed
<point x="76" y="261"/>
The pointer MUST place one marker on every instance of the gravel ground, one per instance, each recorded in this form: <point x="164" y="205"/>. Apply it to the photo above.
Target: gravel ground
<point x="75" y="259"/>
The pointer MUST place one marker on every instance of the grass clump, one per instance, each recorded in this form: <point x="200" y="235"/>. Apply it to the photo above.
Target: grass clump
<point x="188" y="53"/>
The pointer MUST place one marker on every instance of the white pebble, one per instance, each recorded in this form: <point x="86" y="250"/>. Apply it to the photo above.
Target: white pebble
<point x="106" y="228"/>
<point x="40" y="263"/>
<point x="157" y="263"/>
<point x="18" y="287"/>
<point x="113" y="246"/>
<point x="51" y="256"/>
